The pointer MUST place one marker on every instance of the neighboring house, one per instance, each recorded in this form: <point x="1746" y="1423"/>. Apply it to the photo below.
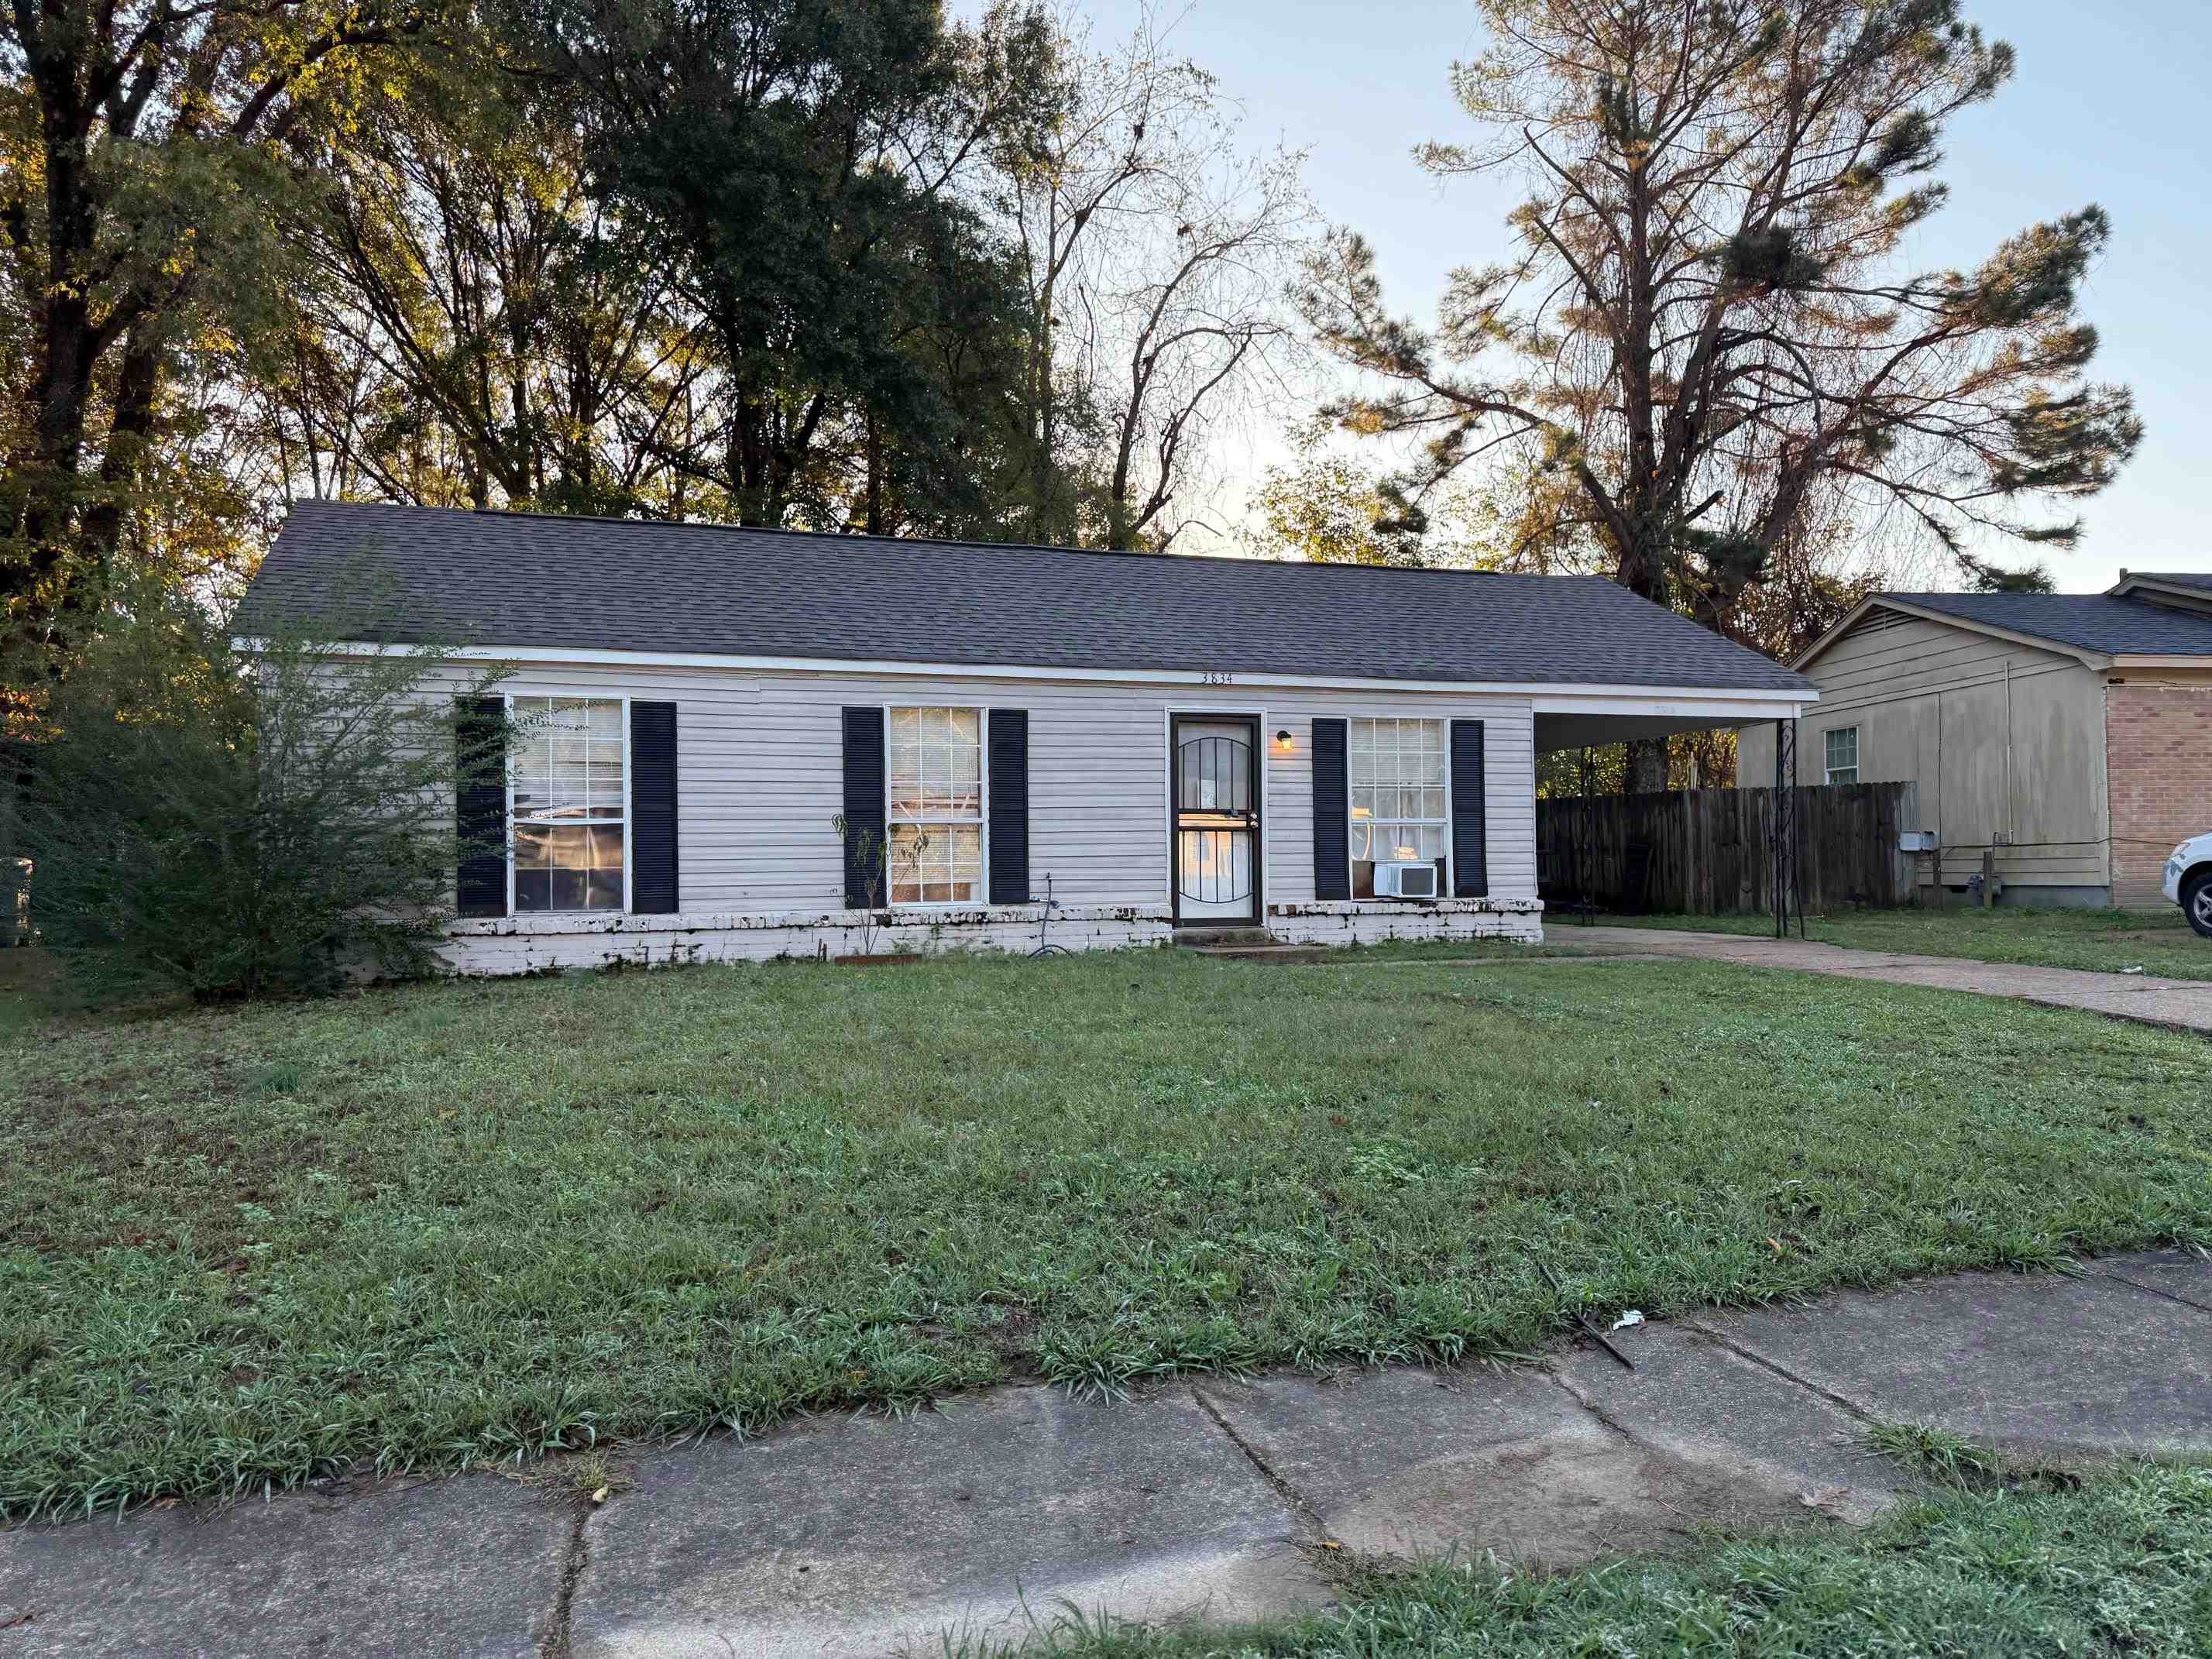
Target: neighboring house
<point x="1156" y="740"/>
<point x="2069" y="734"/>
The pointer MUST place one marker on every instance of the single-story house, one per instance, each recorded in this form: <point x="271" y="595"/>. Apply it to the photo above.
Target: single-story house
<point x="1329" y="752"/>
<point x="2067" y="736"/>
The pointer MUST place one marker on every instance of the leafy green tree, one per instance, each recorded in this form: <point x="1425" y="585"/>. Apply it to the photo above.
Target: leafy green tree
<point x="1707" y="320"/>
<point x="139" y="139"/>
<point x="953" y="461"/>
<point x="1329" y="509"/>
<point x="468" y="329"/>
<point x="797" y="165"/>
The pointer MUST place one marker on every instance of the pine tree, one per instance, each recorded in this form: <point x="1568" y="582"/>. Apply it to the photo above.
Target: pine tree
<point x="1706" y="323"/>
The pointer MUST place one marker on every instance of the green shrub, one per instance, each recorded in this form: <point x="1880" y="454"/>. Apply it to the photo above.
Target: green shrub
<point x="229" y="824"/>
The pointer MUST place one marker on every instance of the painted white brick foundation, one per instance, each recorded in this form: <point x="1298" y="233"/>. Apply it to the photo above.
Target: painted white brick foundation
<point x="527" y="945"/>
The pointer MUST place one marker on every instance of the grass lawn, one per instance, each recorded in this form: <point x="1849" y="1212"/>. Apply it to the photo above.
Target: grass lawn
<point x="2122" y="1567"/>
<point x="2156" y="941"/>
<point x="468" y="1221"/>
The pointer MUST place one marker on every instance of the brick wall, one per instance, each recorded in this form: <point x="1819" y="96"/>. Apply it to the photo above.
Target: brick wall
<point x="2158" y="766"/>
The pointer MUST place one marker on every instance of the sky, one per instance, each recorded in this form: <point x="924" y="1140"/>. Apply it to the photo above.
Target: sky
<point x="2107" y="105"/>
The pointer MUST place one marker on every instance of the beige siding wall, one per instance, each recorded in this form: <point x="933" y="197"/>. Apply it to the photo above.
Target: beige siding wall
<point x="761" y="760"/>
<point x="2006" y="741"/>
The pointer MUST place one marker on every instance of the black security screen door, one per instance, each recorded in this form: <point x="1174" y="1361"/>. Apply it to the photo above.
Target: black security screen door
<point x="1215" y="836"/>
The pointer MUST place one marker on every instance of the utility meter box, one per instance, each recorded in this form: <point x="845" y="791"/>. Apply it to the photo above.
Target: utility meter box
<point x="1916" y="840"/>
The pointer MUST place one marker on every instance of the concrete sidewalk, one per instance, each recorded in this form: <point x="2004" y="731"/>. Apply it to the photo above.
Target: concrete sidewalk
<point x="2181" y="1005"/>
<point x="849" y="1535"/>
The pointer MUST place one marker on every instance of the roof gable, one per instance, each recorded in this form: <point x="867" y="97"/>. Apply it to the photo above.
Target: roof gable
<point x="500" y="580"/>
<point x="2097" y="626"/>
<point x="2179" y="590"/>
<point x="2199" y="580"/>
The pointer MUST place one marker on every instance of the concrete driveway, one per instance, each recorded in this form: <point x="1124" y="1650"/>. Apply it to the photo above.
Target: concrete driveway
<point x="2181" y="1005"/>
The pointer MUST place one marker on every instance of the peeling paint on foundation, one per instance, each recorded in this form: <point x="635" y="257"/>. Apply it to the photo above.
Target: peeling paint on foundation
<point x="521" y="945"/>
<point x="546" y="944"/>
<point x="1362" y="921"/>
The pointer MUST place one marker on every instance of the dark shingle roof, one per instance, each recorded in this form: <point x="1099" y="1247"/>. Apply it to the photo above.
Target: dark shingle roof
<point x="519" y="581"/>
<point x="2092" y="621"/>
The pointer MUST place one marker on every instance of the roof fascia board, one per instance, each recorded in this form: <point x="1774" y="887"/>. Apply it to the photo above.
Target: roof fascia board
<point x="1575" y="696"/>
<point x="2136" y="659"/>
<point x="1684" y="704"/>
<point x="2079" y="653"/>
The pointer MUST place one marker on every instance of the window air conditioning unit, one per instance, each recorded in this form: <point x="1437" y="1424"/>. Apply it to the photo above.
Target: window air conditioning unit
<point x="1406" y="879"/>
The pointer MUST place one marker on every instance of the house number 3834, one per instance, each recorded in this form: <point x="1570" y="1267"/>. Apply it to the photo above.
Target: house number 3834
<point x="1215" y="677"/>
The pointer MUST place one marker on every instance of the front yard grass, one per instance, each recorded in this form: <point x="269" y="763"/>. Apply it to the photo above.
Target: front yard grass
<point x="2156" y="941"/>
<point x="433" y="1226"/>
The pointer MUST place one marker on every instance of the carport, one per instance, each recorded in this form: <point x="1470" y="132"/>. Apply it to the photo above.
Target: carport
<point x="1565" y="725"/>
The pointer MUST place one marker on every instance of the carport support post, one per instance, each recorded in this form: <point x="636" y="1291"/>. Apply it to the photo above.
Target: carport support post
<point x="1787" y="893"/>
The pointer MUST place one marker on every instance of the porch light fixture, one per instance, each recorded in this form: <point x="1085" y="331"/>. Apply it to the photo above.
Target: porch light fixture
<point x="1283" y="741"/>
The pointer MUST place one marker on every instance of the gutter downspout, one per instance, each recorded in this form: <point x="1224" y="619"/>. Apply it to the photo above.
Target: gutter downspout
<point x="2009" y="826"/>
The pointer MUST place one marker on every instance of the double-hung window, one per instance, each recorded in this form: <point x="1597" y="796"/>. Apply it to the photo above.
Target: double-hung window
<point x="571" y="778"/>
<point x="936" y="805"/>
<point x="1842" y="754"/>
<point x="1396" y="773"/>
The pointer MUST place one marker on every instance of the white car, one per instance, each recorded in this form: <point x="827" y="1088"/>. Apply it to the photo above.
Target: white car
<point x="2188" y="881"/>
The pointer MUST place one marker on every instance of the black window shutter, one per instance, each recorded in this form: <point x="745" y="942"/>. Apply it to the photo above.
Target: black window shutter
<point x="864" y="804"/>
<point x="1009" y="828"/>
<point x="1332" y="808"/>
<point x="480" y="805"/>
<point x="1470" y="853"/>
<point x="653" y="890"/>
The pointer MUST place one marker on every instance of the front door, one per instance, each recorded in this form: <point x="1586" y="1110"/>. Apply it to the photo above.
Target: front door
<point x="1214" y="831"/>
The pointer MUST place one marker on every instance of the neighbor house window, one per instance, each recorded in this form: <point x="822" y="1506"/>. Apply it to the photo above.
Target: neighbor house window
<point x="936" y="805"/>
<point x="1396" y="775"/>
<point x="1843" y="755"/>
<point x="571" y="771"/>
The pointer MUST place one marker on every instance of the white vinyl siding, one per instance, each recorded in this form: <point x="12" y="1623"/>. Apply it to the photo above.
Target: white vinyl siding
<point x="763" y="769"/>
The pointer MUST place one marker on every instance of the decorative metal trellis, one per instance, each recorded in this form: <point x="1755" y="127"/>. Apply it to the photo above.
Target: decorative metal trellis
<point x="1789" y="894"/>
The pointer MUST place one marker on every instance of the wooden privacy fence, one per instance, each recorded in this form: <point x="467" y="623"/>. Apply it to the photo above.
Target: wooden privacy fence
<point x="1706" y="851"/>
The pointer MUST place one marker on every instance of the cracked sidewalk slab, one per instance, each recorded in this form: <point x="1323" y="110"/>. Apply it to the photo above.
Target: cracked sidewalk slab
<point x="2083" y="1363"/>
<point x="861" y="1535"/>
<point x="2175" y="1273"/>
<point x="1484" y="1460"/>
<point x="1710" y="1408"/>
<point x="850" y="1534"/>
<point x="466" y="1566"/>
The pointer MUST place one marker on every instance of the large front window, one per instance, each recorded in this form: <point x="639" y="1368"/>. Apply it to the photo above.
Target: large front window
<point x="1396" y="773"/>
<point x="571" y="800"/>
<point x="936" y="816"/>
